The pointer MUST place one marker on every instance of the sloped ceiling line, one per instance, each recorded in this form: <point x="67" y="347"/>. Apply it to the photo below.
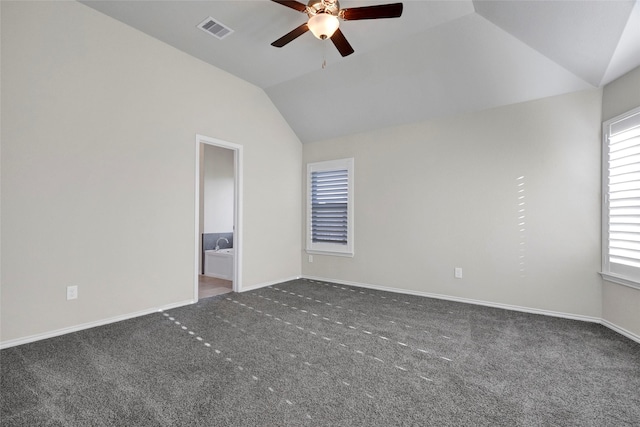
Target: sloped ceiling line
<point x="440" y="58"/>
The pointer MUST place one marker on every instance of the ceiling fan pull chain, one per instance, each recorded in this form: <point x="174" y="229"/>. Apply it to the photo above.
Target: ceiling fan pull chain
<point x="324" y="56"/>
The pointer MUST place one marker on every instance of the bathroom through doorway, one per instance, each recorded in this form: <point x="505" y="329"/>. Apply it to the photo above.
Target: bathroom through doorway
<point x="218" y="217"/>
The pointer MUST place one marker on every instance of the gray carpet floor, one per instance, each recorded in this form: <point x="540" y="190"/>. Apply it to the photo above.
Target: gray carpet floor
<point x="320" y="354"/>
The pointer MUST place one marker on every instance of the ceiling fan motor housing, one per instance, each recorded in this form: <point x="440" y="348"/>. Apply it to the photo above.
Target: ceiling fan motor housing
<point x="314" y="7"/>
<point x="324" y="17"/>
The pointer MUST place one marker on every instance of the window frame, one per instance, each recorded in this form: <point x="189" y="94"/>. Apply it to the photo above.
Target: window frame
<point x="620" y="274"/>
<point x="326" y="248"/>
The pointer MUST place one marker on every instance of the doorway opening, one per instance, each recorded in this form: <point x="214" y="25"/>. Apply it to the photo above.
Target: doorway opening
<point x="218" y="222"/>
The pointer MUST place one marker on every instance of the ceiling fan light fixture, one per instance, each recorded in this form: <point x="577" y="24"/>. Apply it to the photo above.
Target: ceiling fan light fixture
<point x="323" y="25"/>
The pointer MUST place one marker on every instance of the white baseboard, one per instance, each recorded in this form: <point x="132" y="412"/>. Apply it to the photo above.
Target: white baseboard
<point x="76" y="328"/>
<point x="63" y="331"/>
<point x="265" y="284"/>
<point x="603" y="322"/>
<point x="464" y="300"/>
<point x="621" y="331"/>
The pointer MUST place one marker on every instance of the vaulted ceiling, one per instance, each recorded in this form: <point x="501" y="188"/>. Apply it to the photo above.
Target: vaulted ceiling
<point x="440" y="58"/>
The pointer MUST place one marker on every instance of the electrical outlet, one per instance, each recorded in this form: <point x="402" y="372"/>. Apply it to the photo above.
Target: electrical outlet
<point x="310" y="258"/>
<point x="72" y="292"/>
<point x="458" y="273"/>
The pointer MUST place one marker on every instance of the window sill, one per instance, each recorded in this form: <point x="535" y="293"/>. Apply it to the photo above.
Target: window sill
<point x="329" y="253"/>
<point x="620" y="280"/>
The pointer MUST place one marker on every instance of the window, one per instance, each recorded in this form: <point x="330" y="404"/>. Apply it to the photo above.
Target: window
<point x="621" y="199"/>
<point x="330" y="207"/>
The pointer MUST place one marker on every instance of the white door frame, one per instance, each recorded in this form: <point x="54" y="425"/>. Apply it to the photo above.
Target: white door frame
<point x="237" y="211"/>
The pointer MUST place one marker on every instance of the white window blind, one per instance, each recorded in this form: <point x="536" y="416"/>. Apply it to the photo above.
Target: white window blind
<point x="621" y="207"/>
<point x="330" y="207"/>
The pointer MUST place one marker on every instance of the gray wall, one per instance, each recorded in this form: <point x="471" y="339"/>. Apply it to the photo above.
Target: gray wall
<point x="98" y="179"/>
<point x="98" y="170"/>
<point x="441" y="194"/>
<point x="621" y="304"/>
<point x="218" y="189"/>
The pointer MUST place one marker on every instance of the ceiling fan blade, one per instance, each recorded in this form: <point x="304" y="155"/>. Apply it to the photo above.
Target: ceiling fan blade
<point x="393" y="10"/>
<point x="341" y="43"/>
<point x="292" y="4"/>
<point x="291" y="36"/>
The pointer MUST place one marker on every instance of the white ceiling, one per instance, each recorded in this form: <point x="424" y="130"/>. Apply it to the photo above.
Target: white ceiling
<point x="440" y="58"/>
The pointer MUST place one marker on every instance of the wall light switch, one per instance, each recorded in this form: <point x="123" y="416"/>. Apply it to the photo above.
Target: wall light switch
<point x="458" y="273"/>
<point x="310" y="258"/>
<point x="72" y="292"/>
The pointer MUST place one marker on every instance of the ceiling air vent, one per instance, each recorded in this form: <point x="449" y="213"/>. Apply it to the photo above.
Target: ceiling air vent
<point x="215" y="28"/>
